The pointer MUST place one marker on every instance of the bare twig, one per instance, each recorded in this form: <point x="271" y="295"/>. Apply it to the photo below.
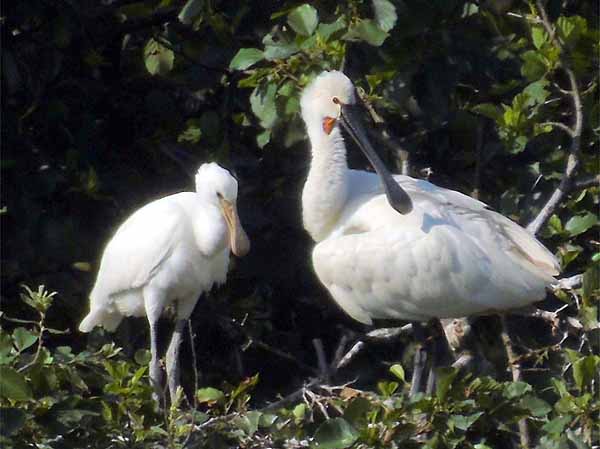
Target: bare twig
<point x="589" y="181"/>
<point x="321" y="358"/>
<point x="515" y="369"/>
<point x="561" y="126"/>
<point x="356" y="348"/>
<point x="573" y="158"/>
<point x="377" y="335"/>
<point x="569" y="283"/>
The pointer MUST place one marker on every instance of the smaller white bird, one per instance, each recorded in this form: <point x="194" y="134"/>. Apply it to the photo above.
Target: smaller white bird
<point x="169" y="252"/>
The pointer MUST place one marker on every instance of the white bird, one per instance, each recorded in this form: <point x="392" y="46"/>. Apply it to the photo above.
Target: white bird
<point x="424" y="251"/>
<point x="169" y="252"/>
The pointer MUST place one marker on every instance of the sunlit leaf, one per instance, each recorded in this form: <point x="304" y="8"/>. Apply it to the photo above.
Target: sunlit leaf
<point x="23" y="338"/>
<point x="304" y="19"/>
<point x="209" y="394"/>
<point x="190" y="11"/>
<point x="463" y="422"/>
<point x="385" y="14"/>
<point x="262" y="102"/>
<point x="584" y="370"/>
<point x="158" y="58"/>
<point x="368" y="31"/>
<point x="397" y="370"/>
<point x="246" y="57"/>
<point x="581" y="223"/>
<point x="516" y="389"/>
<point x="335" y="433"/>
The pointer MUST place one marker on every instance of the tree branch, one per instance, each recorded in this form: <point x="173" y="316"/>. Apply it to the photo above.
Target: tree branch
<point x="573" y="158"/>
<point x="589" y="181"/>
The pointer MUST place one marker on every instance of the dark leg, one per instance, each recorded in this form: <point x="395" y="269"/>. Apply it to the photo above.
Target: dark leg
<point x="173" y="371"/>
<point x="420" y="359"/>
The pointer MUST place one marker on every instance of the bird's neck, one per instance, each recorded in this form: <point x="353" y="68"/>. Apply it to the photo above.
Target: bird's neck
<point x="326" y="188"/>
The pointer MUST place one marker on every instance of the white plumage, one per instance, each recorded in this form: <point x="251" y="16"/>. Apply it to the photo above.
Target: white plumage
<point x="169" y="251"/>
<point x="448" y="257"/>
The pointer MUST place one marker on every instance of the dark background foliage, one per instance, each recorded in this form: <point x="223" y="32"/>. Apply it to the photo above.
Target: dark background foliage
<point x="107" y="105"/>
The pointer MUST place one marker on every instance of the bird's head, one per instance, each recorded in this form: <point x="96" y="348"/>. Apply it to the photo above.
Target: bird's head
<point x="217" y="186"/>
<point x="322" y="100"/>
<point x="331" y="99"/>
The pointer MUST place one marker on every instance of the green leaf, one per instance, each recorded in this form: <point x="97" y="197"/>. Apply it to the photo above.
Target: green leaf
<point x="385" y="14"/>
<point x="248" y="422"/>
<point x="445" y="377"/>
<point x="267" y="420"/>
<point x="537" y="92"/>
<point x="23" y="338"/>
<point x="584" y="370"/>
<point x="489" y="110"/>
<point x="335" y="433"/>
<point x="557" y="425"/>
<point x="516" y="389"/>
<point x="581" y="223"/>
<point x="13" y="385"/>
<point x="533" y="67"/>
<point x="280" y="51"/>
<point x="571" y="28"/>
<point x="538" y="407"/>
<point x="327" y="30"/>
<point x="555" y="225"/>
<point x="303" y="20"/>
<point x="142" y="356"/>
<point x="299" y="411"/>
<point x="12" y="420"/>
<point x="262" y="102"/>
<point x="246" y="57"/>
<point x="209" y="394"/>
<point x="397" y="370"/>
<point x="263" y="138"/>
<point x="190" y="10"/>
<point x="158" y="58"/>
<point x="368" y="31"/>
<point x="356" y="412"/>
<point x="464" y="422"/>
<point x="539" y="36"/>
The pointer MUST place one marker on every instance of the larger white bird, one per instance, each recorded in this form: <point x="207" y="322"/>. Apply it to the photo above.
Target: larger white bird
<point x="424" y="251"/>
<point x="169" y="252"/>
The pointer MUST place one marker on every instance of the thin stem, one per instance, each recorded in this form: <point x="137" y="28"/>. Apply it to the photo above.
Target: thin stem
<point x="515" y="369"/>
<point x="575" y="132"/>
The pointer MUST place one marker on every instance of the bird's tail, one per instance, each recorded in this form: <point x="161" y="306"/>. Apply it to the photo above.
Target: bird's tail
<point x="100" y="317"/>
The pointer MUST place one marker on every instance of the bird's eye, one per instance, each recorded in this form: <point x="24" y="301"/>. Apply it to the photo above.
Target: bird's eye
<point x="219" y="195"/>
<point x="336" y="100"/>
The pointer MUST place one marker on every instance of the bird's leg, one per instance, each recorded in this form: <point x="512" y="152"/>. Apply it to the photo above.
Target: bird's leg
<point x="155" y="370"/>
<point x="173" y="372"/>
<point x="154" y="303"/>
<point x="420" y="359"/>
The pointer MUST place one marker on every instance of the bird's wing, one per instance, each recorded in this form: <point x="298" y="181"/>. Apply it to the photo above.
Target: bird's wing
<point x="138" y="249"/>
<point x="470" y="215"/>
<point x="487" y="226"/>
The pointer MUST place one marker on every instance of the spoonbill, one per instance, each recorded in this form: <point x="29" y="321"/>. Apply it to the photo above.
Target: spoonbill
<point x="396" y="247"/>
<point x="169" y="251"/>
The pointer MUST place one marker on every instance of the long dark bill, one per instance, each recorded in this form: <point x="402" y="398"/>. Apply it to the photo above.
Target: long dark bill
<point x="396" y="195"/>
